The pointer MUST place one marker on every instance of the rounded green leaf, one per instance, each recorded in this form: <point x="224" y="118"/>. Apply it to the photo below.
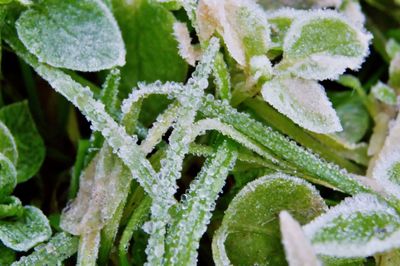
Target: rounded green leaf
<point x="360" y="226"/>
<point x="322" y="45"/>
<point x="75" y="34"/>
<point x="7" y="144"/>
<point x="8" y="177"/>
<point x="249" y="234"/>
<point x="30" y="146"/>
<point x="303" y="101"/>
<point x="27" y="231"/>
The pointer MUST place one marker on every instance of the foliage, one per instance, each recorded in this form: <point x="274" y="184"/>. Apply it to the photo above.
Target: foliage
<point x="194" y="130"/>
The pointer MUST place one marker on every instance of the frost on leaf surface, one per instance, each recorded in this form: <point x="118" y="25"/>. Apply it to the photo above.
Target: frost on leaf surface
<point x="60" y="247"/>
<point x="241" y="23"/>
<point x="358" y="227"/>
<point x="298" y="249"/>
<point x="74" y="34"/>
<point x="387" y="165"/>
<point x="186" y="50"/>
<point x="303" y="101"/>
<point x="25" y="232"/>
<point x="249" y="234"/>
<point x="322" y="45"/>
<point x="302" y="4"/>
<point x="102" y="186"/>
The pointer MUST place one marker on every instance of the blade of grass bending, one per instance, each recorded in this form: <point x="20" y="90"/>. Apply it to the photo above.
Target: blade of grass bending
<point x="283" y="147"/>
<point x="194" y="212"/>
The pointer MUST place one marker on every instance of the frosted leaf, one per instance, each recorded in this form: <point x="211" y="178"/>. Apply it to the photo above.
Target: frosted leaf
<point x="249" y="234"/>
<point x="322" y="44"/>
<point x="8" y="176"/>
<point x="101" y="188"/>
<point x="194" y="212"/>
<point x="324" y="173"/>
<point x="201" y="126"/>
<point x="352" y="10"/>
<point x="384" y="93"/>
<point x="298" y="249"/>
<point x="25" y="232"/>
<point x="222" y="77"/>
<point x="394" y="72"/>
<point x="301" y="4"/>
<point x="392" y="48"/>
<point x="89" y="244"/>
<point x="7" y="145"/>
<point x="241" y="23"/>
<point x="186" y="50"/>
<point x="360" y="226"/>
<point x="73" y="34"/>
<point x="159" y="128"/>
<point x="260" y="67"/>
<point x="171" y="165"/>
<point x="303" y="101"/>
<point x="386" y="168"/>
<point x="60" y="247"/>
<point x="145" y="90"/>
<point x="123" y="145"/>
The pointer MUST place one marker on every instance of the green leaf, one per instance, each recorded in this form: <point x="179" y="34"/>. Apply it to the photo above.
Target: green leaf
<point x="75" y="34"/>
<point x="60" y="247"/>
<point x="7" y="145"/>
<point x="358" y="227"/>
<point x="152" y="53"/>
<point x="354" y="117"/>
<point x="7" y="256"/>
<point x="8" y="177"/>
<point x="303" y="101"/>
<point x="321" y="45"/>
<point x="25" y="232"/>
<point x="30" y="146"/>
<point x="384" y="93"/>
<point x="249" y="233"/>
<point x="10" y="207"/>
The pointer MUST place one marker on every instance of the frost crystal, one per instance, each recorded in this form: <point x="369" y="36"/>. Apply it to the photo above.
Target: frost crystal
<point x="322" y="44"/>
<point x="298" y="249"/>
<point x="79" y="35"/>
<point x="303" y="101"/>
<point x="241" y="23"/>
<point x="358" y="227"/>
<point x="186" y="49"/>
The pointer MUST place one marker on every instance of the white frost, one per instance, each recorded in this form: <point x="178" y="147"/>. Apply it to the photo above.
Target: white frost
<point x="298" y="249"/>
<point x="303" y="101"/>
